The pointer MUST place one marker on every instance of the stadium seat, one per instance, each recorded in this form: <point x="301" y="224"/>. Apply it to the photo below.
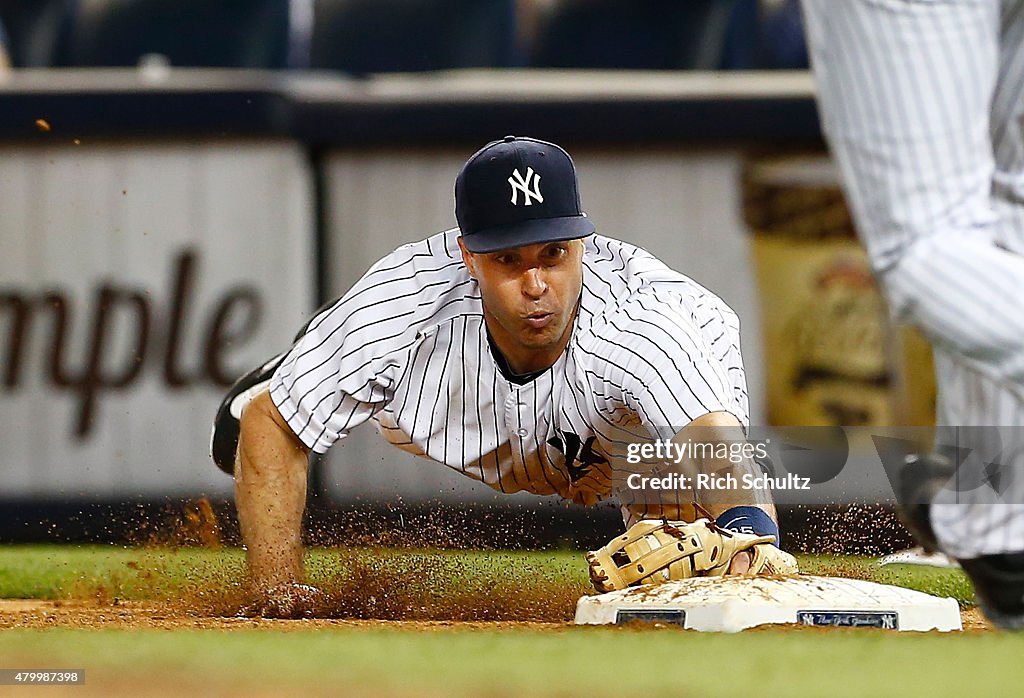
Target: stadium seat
<point x="5" y="59"/>
<point x="741" y="49"/>
<point x="782" y="40"/>
<point x="765" y="36"/>
<point x="190" y="33"/>
<point x="633" y="34"/>
<point x="35" y="29"/>
<point x="381" y="36"/>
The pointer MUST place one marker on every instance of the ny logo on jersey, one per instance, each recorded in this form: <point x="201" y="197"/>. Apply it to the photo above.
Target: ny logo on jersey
<point x="569" y="445"/>
<point x="529" y="185"/>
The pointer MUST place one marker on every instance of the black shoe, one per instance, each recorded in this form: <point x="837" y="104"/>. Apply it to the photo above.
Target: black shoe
<point x="224" y="439"/>
<point x="998" y="579"/>
<point x="920" y="480"/>
<point x="999" y="587"/>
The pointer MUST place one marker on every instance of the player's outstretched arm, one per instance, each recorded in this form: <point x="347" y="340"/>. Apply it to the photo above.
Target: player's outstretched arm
<point x="270" y="493"/>
<point x="731" y="533"/>
<point x="721" y="428"/>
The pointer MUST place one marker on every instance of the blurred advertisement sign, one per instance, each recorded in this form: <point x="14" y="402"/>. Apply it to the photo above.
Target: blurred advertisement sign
<point x="137" y="281"/>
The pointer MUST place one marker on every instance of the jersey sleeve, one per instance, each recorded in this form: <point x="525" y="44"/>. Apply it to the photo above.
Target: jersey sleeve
<point x="671" y="369"/>
<point x="326" y="386"/>
<point x="342" y="370"/>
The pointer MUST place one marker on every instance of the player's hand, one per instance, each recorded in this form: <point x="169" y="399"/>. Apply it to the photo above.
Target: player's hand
<point x="653" y="551"/>
<point x="741" y="563"/>
<point x="285" y="601"/>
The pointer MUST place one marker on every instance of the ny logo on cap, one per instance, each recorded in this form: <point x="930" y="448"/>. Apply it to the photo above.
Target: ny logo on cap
<point x="529" y="185"/>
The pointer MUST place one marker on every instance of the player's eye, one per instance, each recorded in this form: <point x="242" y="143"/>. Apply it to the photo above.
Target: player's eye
<point x="556" y="252"/>
<point x="505" y="259"/>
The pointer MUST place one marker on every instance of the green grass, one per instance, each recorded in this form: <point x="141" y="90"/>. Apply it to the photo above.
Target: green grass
<point x="932" y="580"/>
<point x="453" y="661"/>
<point x="585" y="661"/>
<point x="64" y="572"/>
<point x="140" y="574"/>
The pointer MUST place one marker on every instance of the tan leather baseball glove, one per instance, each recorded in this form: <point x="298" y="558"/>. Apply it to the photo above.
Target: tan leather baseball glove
<point x="652" y="552"/>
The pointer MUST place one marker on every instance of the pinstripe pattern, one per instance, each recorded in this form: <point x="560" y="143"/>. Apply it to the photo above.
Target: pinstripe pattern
<point x="407" y="346"/>
<point x="923" y="105"/>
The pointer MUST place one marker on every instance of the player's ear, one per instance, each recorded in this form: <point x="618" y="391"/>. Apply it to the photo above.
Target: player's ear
<point x="467" y="258"/>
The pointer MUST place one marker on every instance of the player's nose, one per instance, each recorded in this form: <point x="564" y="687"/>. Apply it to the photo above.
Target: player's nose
<point x="534" y="283"/>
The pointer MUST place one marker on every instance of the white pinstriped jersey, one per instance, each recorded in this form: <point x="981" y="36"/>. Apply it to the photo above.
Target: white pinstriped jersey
<point x="923" y="105"/>
<point x="651" y="350"/>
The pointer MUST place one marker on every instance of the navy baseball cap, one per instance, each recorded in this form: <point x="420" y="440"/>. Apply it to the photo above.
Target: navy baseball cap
<point x="518" y="191"/>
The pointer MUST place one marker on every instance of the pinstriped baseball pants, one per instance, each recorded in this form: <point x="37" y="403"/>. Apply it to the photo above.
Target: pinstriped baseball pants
<point x="922" y="102"/>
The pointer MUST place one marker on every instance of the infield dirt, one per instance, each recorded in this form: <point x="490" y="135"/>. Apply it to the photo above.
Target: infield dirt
<point x="31" y="613"/>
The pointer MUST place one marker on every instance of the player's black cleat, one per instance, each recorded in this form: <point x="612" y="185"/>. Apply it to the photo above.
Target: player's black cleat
<point x="999" y="587"/>
<point x="920" y="480"/>
<point x="998" y="579"/>
<point x="224" y="439"/>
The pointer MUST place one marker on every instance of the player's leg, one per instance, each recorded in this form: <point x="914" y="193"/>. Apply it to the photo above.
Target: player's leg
<point x="979" y="516"/>
<point x="1008" y="130"/>
<point x="967" y="398"/>
<point x="981" y="512"/>
<point x="905" y="88"/>
<point x="984" y="528"/>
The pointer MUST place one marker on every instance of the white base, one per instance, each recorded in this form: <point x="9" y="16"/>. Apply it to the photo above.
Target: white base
<point x="730" y="604"/>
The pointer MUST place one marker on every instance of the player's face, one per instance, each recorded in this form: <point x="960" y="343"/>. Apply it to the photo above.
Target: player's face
<point x="530" y="295"/>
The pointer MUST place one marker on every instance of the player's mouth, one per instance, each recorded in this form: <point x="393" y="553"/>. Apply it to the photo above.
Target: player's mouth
<point x="539" y="319"/>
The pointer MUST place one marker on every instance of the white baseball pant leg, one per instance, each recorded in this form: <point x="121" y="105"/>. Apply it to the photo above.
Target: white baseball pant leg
<point x="921" y="103"/>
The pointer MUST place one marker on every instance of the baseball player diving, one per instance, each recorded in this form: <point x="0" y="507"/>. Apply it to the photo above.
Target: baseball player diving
<point x="525" y="351"/>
